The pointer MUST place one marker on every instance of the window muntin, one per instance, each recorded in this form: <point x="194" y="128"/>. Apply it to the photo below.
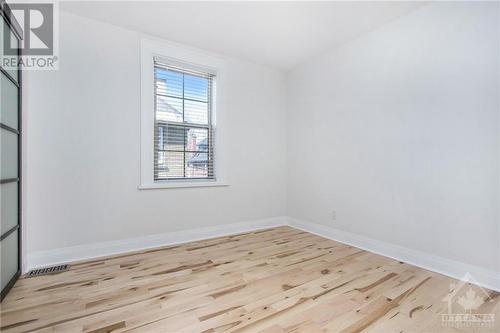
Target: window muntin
<point x="183" y="124"/>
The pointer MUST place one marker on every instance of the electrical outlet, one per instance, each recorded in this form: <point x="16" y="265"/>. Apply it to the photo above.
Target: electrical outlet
<point x="334" y="215"/>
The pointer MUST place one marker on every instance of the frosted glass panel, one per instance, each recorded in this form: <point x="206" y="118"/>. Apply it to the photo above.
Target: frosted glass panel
<point x="9" y="258"/>
<point x="8" y="208"/>
<point x="3" y="26"/>
<point x="14" y="44"/>
<point x="8" y="102"/>
<point x="8" y="145"/>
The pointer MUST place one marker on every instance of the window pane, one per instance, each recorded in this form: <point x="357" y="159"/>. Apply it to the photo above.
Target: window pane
<point x="168" y="82"/>
<point x="168" y="109"/>
<point x="197" y="139"/>
<point x="195" y="112"/>
<point x="182" y="150"/>
<point x="170" y="165"/>
<point x="195" y="87"/>
<point x="174" y="137"/>
<point x="197" y="165"/>
<point x="161" y="165"/>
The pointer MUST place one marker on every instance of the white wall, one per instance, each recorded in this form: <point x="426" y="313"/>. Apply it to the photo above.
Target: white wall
<point x="83" y="141"/>
<point x="398" y="131"/>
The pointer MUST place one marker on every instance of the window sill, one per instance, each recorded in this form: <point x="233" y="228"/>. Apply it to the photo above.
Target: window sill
<point x="182" y="184"/>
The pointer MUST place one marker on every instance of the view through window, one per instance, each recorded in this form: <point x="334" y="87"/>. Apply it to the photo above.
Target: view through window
<point x="183" y="126"/>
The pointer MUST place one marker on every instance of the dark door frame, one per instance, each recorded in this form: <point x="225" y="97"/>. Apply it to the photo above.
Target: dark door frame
<point x="7" y="15"/>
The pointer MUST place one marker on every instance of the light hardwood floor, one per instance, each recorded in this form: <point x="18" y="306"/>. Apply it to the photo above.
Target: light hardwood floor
<point x="276" y="280"/>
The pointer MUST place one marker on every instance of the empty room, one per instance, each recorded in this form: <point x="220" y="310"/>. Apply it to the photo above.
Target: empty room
<point x="250" y="166"/>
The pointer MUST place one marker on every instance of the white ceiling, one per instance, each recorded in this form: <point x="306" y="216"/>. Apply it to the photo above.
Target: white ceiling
<point x="277" y="34"/>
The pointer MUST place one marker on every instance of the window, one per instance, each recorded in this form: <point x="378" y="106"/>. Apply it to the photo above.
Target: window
<point x="182" y="117"/>
<point x="183" y="126"/>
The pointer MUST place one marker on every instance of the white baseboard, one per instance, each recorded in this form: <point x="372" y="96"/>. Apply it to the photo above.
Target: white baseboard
<point x="40" y="259"/>
<point x="487" y="278"/>
<point x="484" y="277"/>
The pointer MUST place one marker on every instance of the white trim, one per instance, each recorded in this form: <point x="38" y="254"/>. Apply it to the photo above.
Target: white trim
<point x="40" y="259"/>
<point x="486" y="278"/>
<point x="193" y="58"/>
<point x="182" y="184"/>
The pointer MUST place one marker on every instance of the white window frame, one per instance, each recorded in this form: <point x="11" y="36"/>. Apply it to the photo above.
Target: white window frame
<point x="190" y="59"/>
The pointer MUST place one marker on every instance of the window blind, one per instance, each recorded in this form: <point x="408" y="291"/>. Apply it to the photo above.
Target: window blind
<point x="183" y="123"/>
